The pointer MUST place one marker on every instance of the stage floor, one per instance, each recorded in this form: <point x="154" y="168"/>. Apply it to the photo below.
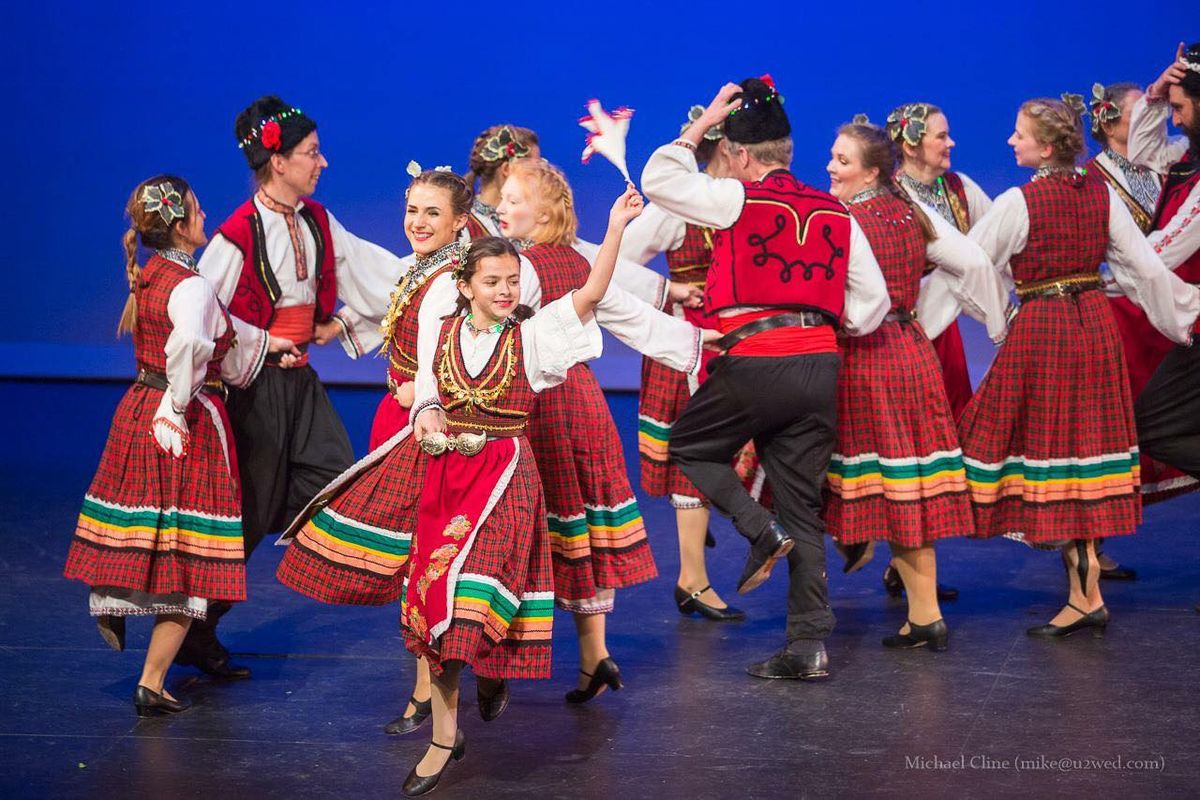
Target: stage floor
<point x="998" y="715"/>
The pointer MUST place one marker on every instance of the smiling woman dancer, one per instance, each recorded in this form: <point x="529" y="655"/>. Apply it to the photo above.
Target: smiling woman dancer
<point x="160" y="533"/>
<point x="1049" y="439"/>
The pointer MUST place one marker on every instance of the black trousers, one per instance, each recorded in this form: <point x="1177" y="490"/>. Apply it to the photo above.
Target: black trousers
<point x="788" y="407"/>
<point x="1168" y="411"/>
<point x="290" y="444"/>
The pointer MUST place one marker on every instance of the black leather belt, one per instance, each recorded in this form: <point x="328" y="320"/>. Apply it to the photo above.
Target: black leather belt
<point x="158" y="380"/>
<point x="903" y="315"/>
<point x="789" y="319"/>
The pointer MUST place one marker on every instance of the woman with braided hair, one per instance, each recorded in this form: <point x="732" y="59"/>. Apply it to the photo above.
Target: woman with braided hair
<point x="492" y="154"/>
<point x="1049" y="439"/>
<point x="160" y="532"/>
<point x="897" y="472"/>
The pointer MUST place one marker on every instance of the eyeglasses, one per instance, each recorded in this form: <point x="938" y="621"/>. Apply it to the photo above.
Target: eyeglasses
<point x="315" y="155"/>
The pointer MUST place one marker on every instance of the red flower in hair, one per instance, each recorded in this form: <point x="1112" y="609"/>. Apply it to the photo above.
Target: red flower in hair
<point x="768" y="80"/>
<point x="271" y="135"/>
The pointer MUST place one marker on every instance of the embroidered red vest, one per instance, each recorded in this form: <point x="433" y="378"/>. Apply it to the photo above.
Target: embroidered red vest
<point x="496" y="402"/>
<point x="1139" y="214"/>
<point x="788" y="249"/>
<point x="158" y="279"/>
<point x="402" y="339"/>
<point x="1068" y="228"/>
<point x="1182" y="178"/>
<point x="559" y="268"/>
<point x="257" y="288"/>
<point x="899" y="246"/>
<point x="475" y="228"/>
<point x="959" y="205"/>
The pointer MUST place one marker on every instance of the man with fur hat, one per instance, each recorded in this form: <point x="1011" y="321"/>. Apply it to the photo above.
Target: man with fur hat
<point x="281" y="262"/>
<point x="789" y="267"/>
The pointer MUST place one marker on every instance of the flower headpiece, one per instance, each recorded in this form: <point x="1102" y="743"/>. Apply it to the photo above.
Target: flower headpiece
<point x="1103" y="109"/>
<point x="414" y="169"/>
<point x="503" y="145"/>
<point x="1075" y="103"/>
<point x="860" y="119"/>
<point x="460" y="261"/>
<point x="268" y="132"/>
<point x="165" y="199"/>
<point x="907" y="123"/>
<point x="713" y="134"/>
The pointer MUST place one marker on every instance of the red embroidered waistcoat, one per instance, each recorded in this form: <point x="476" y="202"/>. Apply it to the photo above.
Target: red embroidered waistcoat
<point x="159" y="278"/>
<point x="257" y="288"/>
<point x="960" y="207"/>
<point x="1182" y="178"/>
<point x="402" y="338"/>
<point x="899" y="246"/>
<point x="789" y="249"/>
<point x="1068" y="228"/>
<point x="497" y="402"/>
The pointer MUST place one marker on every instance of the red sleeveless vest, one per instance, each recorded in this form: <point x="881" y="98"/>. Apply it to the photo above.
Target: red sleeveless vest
<point x="559" y="269"/>
<point x="257" y="288"/>
<point x="1068" y="228"/>
<point x="158" y="279"/>
<point x="789" y="249"/>
<point x="957" y="197"/>
<point x="498" y="401"/>
<point x="898" y="244"/>
<point x="1182" y="178"/>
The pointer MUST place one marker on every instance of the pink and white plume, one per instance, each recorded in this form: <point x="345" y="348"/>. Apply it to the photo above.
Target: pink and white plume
<point x="606" y="134"/>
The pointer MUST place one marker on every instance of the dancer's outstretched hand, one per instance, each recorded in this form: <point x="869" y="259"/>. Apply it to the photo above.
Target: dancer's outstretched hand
<point x="627" y="207"/>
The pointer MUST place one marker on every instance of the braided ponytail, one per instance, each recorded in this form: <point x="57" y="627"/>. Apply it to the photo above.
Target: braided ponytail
<point x="153" y="232"/>
<point x="548" y="189"/>
<point x="133" y="272"/>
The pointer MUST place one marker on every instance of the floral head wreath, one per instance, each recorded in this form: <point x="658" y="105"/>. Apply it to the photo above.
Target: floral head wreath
<point x="1103" y="109"/>
<point x="713" y="134"/>
<point x="414" y="169"/>
<point x="907" y="123"/>
<point x="165" y="199"/>
<point x="503" y="145"/>
<point x="268" y="131"/>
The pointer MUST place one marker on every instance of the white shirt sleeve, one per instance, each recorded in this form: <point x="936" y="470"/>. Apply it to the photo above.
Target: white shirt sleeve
<point x="674" y="181"/>
<point x="978" y="201"/>
<point x="654" y="231"/>
<point x="531" y="285"/>
<point x="245" y="359"/>
<point x="195" y="318"/>
<point x="964" y="269"/>
<point x="867" y="300"/>
<point x="667" y="339"/>
<point x="221" y="265"/>
<point x="640" y="281"/>
<point x="1179" y="239"/>
<point x="366" y="274"/>
<point x="1003" y="231"/>
<point x="1149" y="145"/>
<point x="554" y="339"/>
<point x="1170" y="304"/>
<point x="439" y="301"/>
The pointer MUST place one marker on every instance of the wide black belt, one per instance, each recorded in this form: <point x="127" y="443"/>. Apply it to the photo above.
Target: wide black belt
<point x="789" y="319"/>
<point x="902" y="315"/>
<point x="158" y="380"/>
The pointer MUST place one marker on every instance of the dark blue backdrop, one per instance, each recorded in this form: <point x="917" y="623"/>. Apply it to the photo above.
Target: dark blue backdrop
<point x="101" y="95"/>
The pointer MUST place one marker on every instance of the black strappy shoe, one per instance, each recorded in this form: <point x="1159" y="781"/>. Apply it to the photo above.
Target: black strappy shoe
<point x="1096" y="620"/>
<point x="416" y="785"/>
<point x="607" y="674"/>
<point x="936" y="635"/>
<point x="689" y="604"/>
<point x="407" y="724"/>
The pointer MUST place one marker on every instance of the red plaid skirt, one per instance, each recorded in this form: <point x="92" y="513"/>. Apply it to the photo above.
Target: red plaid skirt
<point x="897" y="471"/>
<point x="158" y="524"/>
<point x="352" y="541"/>
<point x="596" y="531"/>
<point x="665" y="393"/>
<point x="504" y="597"/>
<point x="953" y="359"/>
<point x="1049" y="438"/>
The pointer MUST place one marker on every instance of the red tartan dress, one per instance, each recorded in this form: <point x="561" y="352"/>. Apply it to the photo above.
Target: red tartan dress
<point x="665" y="391"/>
<point x="948" y="345"/>
<point x="1049" y="439"/>
<point x="150" y="522"/>
<point x="480" y="585"/>
<point x="596" y="530"/>
<point x="1145" y="347"/>
<point x="897" y="472"/>
<point x="400" y="342"/>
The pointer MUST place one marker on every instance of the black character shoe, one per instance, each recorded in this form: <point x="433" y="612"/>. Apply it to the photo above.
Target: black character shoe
<point x="689" y="604"/>
<point x="492" y="705"/>
<point x="895" y="586"/>
<point x="770" y="546"/>
<point x="856" y="556"/>
<point x="935" y="635"/>
<point x="607" y="674"/>
<point x="112" y="630"/>
<point x="1118" y="573"/>
<point x="416" y="785"/>
<point x="151" y="704"/>
<point x="407" y="724"/>
<point x="788" y="666"/>
<point x="1096" y="620"/>
<point x="214" y="666"/>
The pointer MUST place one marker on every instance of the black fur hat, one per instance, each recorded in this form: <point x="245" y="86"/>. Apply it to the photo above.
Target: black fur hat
<point x="760" y="117"/>
<point x="270" y="126"/>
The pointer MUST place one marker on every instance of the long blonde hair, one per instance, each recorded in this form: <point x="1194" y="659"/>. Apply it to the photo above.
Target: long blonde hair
<point x="154" y="233"/>
<point x="547" y="187"/>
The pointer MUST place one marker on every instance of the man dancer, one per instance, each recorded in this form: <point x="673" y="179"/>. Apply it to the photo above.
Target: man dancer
<point x="788" y="263"/>
<point x="1168" y="409"/>
<point x="281" y="262"/>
